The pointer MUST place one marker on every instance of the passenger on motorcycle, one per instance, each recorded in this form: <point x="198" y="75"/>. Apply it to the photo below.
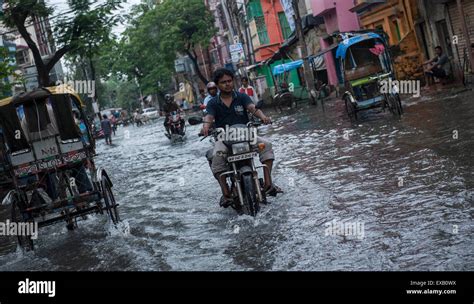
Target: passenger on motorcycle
<point x="229" y="108"/>
<point x="212" y="90"/>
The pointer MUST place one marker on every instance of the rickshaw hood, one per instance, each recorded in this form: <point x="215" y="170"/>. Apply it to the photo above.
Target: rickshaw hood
<point x="41" y="92"/>
<point x="345" y="44"/>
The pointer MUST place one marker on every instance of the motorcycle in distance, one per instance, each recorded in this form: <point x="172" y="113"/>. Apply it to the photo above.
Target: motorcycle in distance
<point x="176" y="126"/>
<point x="245" y="185"/>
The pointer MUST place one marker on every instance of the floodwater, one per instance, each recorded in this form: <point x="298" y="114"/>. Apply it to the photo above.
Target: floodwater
<point x="405" y="186"/>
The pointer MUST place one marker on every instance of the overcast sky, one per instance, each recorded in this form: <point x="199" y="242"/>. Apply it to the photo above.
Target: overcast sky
<point x="61" y="6"/>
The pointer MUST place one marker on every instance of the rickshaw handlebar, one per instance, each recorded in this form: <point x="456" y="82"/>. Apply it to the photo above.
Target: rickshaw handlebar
<point x="381" y="76"/>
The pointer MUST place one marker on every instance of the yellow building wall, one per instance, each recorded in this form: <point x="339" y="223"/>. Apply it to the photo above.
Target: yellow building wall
<point x="388" y="16"/>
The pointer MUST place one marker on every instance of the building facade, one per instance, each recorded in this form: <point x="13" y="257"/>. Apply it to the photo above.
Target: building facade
<point x="397" y="19"/>
<point x="269" y="27"/>
<point x="441" y="23"/>
<point x="40" y="31"/>
<point x="337" y="18"/>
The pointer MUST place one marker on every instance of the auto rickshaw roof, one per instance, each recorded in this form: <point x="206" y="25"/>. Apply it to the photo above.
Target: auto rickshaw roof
<point x="41" y="93"/>
<point x="345" y="44"/>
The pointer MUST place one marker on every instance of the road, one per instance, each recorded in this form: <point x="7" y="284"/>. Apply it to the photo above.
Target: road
<point x="407" y="184"/>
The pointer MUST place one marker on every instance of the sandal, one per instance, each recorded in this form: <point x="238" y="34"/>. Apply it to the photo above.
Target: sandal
<point x="226" y="201"/>
<point x="273" y="190"/>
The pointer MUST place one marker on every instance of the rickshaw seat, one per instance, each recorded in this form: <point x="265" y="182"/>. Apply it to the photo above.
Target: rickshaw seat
<point x="361" y="81"/>
<point x="362" y="72"/>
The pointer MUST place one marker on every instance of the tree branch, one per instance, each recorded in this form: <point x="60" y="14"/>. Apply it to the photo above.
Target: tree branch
<point x="57" y="56"/>
<point x="193" y="57"/>
<point x="19" y="21"/>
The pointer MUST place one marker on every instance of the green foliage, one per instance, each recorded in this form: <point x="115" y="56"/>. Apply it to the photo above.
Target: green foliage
<point x="79" y="31"/>
<point x="143" y="59"/>
<point x="94" y="24"/>
<point x="184" y="24"/>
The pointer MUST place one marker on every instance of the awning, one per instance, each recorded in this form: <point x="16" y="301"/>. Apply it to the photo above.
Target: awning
<point x="281" y="68"/>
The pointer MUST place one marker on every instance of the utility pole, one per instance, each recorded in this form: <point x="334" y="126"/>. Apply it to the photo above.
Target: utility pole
<point x="308" y="72"/>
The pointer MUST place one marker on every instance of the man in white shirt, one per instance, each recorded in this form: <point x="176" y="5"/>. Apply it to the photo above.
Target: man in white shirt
<point x="249" y="90"/>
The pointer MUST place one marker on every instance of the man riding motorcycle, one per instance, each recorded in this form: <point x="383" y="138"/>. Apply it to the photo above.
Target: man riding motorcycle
<point x="169" y="107"/>
<point x="229" y="108"/>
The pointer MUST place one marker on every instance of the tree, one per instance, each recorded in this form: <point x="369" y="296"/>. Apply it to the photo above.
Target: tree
<point x="71" y="32"/>
<point x="184" y="25"/>
<point x="152" y="67"/>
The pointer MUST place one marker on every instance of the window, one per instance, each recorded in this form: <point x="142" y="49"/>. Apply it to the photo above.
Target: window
<point x="22" y="57"/>
<point x="379" y="27"/>
<point x="396" y="29"/>
<point x="285" y="26"/>
<point x="262" y="30"/>
<point x="254" y="9"/>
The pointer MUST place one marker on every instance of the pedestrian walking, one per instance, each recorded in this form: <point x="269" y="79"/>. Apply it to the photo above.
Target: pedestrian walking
<point x="107" y="129"/>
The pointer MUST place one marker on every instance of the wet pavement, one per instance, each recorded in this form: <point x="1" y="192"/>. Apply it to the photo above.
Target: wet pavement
<point x="408" y="183"/>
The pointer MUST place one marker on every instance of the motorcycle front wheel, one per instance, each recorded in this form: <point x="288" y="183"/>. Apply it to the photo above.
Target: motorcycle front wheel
<point x="250" y="203"/>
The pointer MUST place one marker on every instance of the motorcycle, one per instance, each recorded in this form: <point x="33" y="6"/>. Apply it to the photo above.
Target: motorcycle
<point x="245" y="185"/>
<point x="177" y="126"/>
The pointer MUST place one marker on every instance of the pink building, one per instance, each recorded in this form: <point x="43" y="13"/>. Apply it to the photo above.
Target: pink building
<point x="337" y="18"/>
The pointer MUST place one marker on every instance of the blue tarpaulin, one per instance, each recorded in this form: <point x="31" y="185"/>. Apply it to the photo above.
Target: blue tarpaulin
<point x="281" y="68"/>
<point x="348" y="42"/>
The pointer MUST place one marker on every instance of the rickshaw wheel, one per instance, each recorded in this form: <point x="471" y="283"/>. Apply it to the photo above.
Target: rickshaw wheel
<point x="278" y="108"/>
<point x="19" y="204"/>
<point x="350" y="108"/>
<point x="109" y="200"/>
<point x="394" y="104"/>
<point x="400" y="104"/>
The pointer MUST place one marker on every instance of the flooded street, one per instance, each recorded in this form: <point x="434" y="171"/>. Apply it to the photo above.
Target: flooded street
<point x="408" y="183"/>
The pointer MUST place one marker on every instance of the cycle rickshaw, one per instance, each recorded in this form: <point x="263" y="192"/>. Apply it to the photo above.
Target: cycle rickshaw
<point x="50" y="150"/>
<point x="367" y="72"/>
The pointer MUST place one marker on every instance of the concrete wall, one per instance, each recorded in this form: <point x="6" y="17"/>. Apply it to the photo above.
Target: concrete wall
<point x="347" y="20"/>
<point x="337" y="16"/>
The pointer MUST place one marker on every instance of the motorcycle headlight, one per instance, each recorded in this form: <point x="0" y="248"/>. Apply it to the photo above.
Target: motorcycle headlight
<point x="240" y="148"/>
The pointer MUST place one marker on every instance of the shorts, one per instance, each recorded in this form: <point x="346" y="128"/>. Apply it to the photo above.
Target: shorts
<point x="219" y="155"/>
<point x="438" y="73"/>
